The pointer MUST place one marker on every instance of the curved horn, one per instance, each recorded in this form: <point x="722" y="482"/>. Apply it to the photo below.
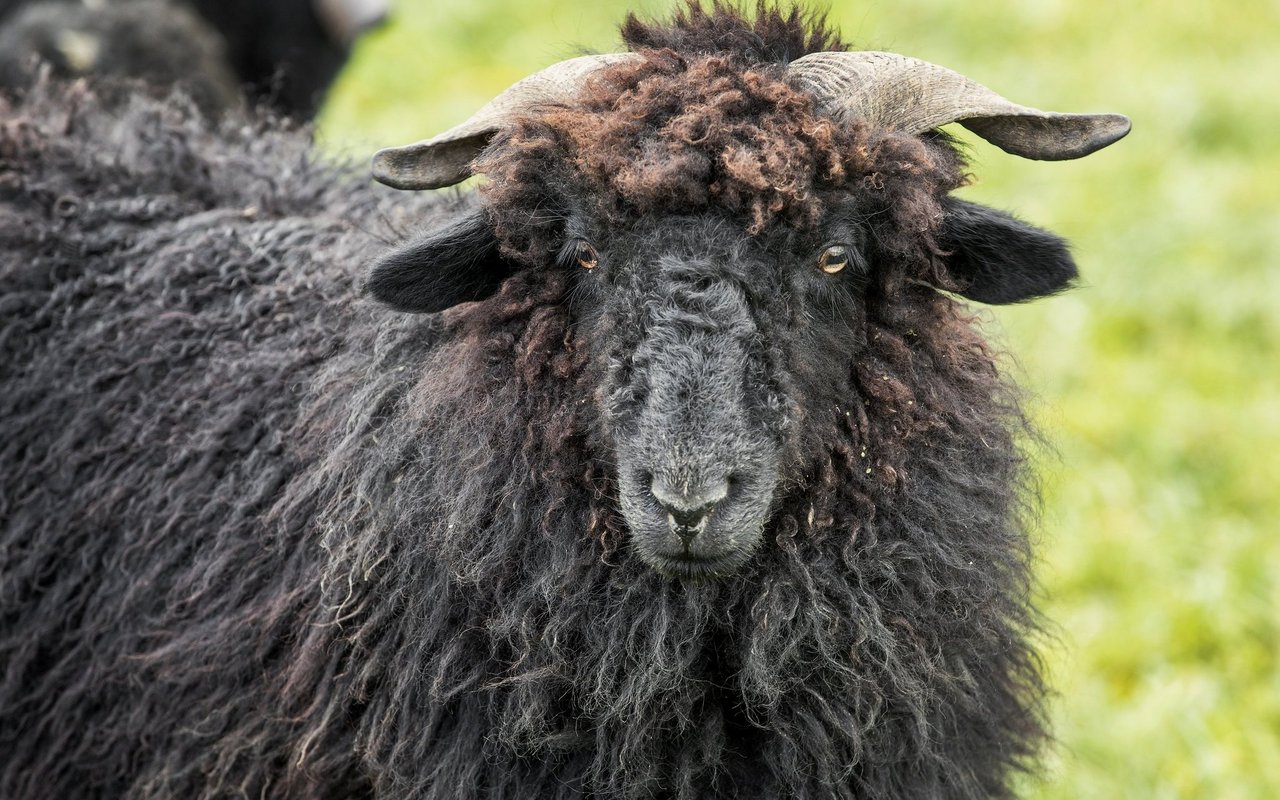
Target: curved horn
<point x="446" y="159"/>
<point x="914" y="96"/>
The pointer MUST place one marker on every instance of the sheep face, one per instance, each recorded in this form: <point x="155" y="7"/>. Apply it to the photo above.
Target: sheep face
<point x="720" y="358"/>
<point x="707" y="341"/>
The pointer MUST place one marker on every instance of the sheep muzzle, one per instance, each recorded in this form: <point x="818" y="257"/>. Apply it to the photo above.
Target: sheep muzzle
<point x="697" y="450"/>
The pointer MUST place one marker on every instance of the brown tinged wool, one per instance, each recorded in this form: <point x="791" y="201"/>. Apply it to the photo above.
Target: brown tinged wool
<point x="687" y="133"/>
<point x="260" y="537"/>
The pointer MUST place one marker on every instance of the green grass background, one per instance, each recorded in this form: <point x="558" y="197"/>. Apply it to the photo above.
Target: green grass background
<point x="1157" y="380"/>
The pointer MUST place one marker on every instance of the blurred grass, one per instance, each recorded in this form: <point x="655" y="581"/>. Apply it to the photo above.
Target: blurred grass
<point x="1158" y="380"/>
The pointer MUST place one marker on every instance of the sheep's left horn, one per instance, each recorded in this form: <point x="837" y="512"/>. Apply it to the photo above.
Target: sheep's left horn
<point x="446" y="159"/>
<point x="914" y="96"/>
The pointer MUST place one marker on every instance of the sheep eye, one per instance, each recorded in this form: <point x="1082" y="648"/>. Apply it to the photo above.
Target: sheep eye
<point x="586" y="255"/>
<point x="833" y="259"/>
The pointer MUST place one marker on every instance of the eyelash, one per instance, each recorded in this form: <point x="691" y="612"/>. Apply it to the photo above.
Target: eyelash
<point x="572" y="254"/>
<point x="855" y="264"/>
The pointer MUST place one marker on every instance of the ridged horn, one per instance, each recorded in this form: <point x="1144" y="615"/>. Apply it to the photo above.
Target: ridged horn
<point x="446" y="159"/>
<point x="914" y="96"/>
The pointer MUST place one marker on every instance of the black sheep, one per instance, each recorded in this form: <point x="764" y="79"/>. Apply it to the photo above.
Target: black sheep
<point x="696" y="485"/>
<point x="288" y="52"/>
<point x="147" y="45"/>
<point x="283" y="54"/>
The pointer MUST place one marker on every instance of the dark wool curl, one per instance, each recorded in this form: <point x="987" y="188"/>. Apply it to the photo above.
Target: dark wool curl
<point x="261" y="537"/>
<point x="687" y="133"/>
<point x="773" y="35"/>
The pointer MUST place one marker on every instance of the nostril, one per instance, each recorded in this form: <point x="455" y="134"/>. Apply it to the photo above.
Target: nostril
<point x="688" y="519"/>
<point x="686" y="533"/>
<point x="689" y="506"/>
<point x="734" y="483"/>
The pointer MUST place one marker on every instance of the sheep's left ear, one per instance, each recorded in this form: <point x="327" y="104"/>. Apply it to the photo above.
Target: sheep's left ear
<point x="453" y="264"/>
<point x="996" y="258"/>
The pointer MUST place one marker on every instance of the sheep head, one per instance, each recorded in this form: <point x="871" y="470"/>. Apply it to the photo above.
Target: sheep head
<point x="728" y="230"/>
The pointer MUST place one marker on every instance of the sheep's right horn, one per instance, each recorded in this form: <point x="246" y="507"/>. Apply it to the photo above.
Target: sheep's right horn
<point x="914" y="96"/>
<point x="446" y="159"/>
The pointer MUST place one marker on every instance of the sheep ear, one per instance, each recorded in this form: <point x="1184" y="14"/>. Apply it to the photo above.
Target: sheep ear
<point x="996" y="258"/>
<point x="442" y="268"/>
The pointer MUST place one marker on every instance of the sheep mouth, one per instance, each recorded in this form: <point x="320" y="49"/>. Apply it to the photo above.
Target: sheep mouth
<point x="696" y="568"/>
<point x="721" y="544"/>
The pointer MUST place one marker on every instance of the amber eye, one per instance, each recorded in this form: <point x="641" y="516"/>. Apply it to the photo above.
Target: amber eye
<point x="833" y="259"/>
<point x="586" y="255"/>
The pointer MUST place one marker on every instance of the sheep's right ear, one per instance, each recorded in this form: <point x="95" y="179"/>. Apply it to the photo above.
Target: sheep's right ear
<point x="450" y="265"/>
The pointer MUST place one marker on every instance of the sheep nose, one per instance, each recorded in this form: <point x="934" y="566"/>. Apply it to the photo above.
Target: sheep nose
<point x="688" y="507"/>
